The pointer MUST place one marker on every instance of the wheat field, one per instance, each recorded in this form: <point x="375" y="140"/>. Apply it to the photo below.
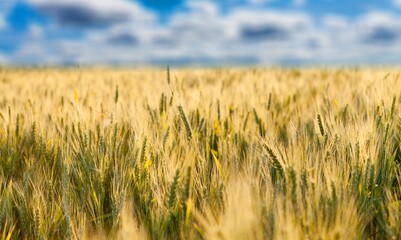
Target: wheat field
<point x="200" y="154"/>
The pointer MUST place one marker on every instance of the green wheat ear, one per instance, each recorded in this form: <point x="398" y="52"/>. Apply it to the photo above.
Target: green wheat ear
<point x="186" y="122"/>
<point x="165" y="137"/>
<point x="273" y="157"/>
<point x="143" y="150"/>
<point x="320" y="123"/>
<point x="168" y="75"/>
<point x="172" y="198"/>
<point x="187" y="187"/>
<point x="33" y="132"/>
<point x="116" y="95"/>
<point x="269" y="102"/>
<point x="393" y="107"/>
<point x="17" y="126"/>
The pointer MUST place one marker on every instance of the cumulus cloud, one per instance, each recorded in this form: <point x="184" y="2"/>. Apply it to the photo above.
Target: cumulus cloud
<point x="92" y="12"/>
<point x="380" y="28"/>
<point x="4" y="8"/>
<point x="267" y="25"/>
<point x="256" y="2"/>
<point x="3" y="59"/>
<point x="125" y="39"/>
<point x="296" y="3"/>
<point x="2" y="22"/>
<point x="35" y="31"/>
<point x="201" y="20"/>
<point x="335" y="22"/>
<point x="201" y="34"/>
<point x="204" y="34"/>
<point x="299" y="3"/>
<point x="373" y="37"/>
<point x="397" y="3"/>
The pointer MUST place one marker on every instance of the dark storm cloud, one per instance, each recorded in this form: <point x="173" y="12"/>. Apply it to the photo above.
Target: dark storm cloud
<point x="262" y="33"/>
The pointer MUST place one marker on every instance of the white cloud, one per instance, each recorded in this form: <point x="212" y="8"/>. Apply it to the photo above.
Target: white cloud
<point x="201" y="34"/>
<point x="256" y="2"/>
<point x="373" y="37"/>
<point x="5" y="6"/>
<point x="204" y="34"/>
<point x="397" y="3"/>
<point x="269" y="25"/>
<point x="35" y="31"/>
<point x="93" y="12"/>
<point x="203" y="7"/>
<point x="335" y="22"/>
<point x="285" y="19"/>
<point x="3" y="59"/>
<point x="201" y="21"/>
<point x="299" y="3"/>
<point x="104" y="7"/>
<point x="379" y="28"/>
<point x="3" y="23"/>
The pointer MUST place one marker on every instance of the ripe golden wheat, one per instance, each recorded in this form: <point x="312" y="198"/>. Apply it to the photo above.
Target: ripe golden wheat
<point x="200" y="154"/>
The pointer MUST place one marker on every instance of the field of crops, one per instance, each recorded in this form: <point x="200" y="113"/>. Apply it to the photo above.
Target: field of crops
<point x="200" y="154"/>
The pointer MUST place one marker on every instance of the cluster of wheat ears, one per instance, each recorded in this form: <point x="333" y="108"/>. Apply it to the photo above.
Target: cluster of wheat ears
<point x="200" y="154"/>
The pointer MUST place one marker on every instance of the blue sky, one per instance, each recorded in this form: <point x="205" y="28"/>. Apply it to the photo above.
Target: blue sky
<point x="200" y="32"/>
